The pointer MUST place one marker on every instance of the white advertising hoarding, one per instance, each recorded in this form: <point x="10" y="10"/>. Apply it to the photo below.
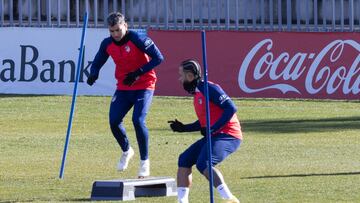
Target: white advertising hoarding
<point x="44" y="61"/>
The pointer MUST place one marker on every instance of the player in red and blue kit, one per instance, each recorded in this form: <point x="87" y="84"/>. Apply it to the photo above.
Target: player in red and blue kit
<point x="225" y="129"/>
<point x="135" y="57"/>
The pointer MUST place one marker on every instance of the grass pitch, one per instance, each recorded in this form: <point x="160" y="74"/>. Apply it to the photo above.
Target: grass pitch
<point x="293" y="150"/>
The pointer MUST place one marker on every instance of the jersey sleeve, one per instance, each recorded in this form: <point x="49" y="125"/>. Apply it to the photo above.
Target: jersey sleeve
<point x="191" y="127"/>
<point x="100" y="57"/>
<point x="222" y="100"/>
<point x="146" y="45"/>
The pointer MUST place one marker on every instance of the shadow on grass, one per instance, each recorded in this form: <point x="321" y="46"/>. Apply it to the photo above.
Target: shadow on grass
<point x="303" y="175"/>
<point x="77" y="200"/>
<point x="302" y="125"/>
<point x="294" y="126"/>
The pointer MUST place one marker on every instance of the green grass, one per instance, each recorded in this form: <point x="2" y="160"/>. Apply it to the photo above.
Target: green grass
<point x="293" y="150"/>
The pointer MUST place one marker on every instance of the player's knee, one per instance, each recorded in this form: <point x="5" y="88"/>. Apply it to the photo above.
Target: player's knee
<point x="114" y="122"/>
<point x="138" y="121"/>
<point x="182" y="161"/>
<point x="201" y="166"/>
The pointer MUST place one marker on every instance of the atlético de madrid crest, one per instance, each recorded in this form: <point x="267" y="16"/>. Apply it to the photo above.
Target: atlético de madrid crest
<point x="127" y="48"/>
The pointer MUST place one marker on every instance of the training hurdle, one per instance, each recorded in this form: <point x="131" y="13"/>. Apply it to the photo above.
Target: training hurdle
<point x="128" y="189"/>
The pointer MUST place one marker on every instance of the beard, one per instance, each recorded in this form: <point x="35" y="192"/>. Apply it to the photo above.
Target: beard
<point x="190" y="86"/>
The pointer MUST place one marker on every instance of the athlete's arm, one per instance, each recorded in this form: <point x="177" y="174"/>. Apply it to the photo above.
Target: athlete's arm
<point x="221" y="99"/>
<point x="100" y="58"/>
<point x="191" y="127"/>
<point x="146" y="45"/>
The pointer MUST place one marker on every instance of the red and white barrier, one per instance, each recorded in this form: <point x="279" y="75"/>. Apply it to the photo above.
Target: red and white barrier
<point x="245" y="64"/>
<point x="267" y="64"/>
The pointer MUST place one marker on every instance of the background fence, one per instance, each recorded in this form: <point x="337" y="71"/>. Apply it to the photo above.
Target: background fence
<point x="252" y="15"/>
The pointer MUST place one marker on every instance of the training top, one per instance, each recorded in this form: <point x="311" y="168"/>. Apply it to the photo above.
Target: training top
<point x="132" y="53"/>
<point x="223" y="118"/>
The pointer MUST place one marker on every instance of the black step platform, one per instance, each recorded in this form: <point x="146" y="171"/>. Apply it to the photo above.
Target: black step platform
<point x="128" y="189"/>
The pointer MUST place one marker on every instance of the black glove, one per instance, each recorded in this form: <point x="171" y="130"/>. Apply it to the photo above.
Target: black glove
<point x="203" y="131"/>
<point x="130" y="78"/>
<point x="177" y="126"/>
<point x="91" y="79"/>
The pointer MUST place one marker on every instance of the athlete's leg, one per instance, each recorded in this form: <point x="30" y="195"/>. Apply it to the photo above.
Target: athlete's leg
<point x="119" y="106"/>
<point x="222" y="146"/>
<point x="186" y="160"/>
<point x="184" y="174"/>
<point x="141" y="107"/>
<point x="184" y="182"/>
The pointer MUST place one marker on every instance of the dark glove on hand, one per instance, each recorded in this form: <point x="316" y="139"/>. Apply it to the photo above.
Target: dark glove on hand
<point x="177" y="126"/>
<point x="203" y="131"/>
<point x="130" y="78"/>
<point x="91" y="79"/>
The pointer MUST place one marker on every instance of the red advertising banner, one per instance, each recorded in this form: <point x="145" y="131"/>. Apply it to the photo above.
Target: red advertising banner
<point x="266" y="64"/>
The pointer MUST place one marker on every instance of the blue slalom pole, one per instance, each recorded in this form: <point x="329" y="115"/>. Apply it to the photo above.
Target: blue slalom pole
<point x="208" y="135"/>
<point x="68" y="133"/>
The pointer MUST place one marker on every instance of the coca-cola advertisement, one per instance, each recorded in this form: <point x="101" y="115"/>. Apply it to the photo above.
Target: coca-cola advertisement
<point x="266" y="64"/>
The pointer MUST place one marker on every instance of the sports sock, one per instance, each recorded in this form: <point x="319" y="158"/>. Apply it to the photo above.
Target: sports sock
<point x="142" y="162"/>
<point x="183" y="194"/>
<point x="224" y="191"/>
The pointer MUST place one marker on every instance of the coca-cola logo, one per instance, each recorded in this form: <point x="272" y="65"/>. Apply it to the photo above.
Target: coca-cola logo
<point x="310" y="72"/>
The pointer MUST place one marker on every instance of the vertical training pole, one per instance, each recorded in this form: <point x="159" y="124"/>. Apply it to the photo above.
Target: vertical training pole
<point x="208" y="135"/>
<point x="68" y="133"/>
